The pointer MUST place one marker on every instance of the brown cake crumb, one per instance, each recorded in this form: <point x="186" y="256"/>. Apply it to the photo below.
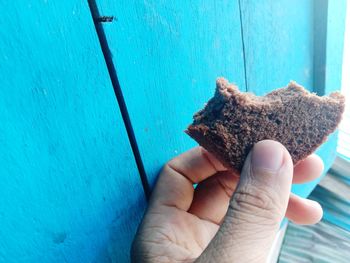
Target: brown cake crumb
<point x="233" y="121"/>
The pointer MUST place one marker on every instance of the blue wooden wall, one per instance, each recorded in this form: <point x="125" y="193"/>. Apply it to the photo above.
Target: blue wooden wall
<point x="70" y="182"/>
<point x="284" y="51"/>
<point x="168" y="55"/>
<point x="69" y="187"/>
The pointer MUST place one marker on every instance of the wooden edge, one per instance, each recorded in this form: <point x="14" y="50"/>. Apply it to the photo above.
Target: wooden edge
<point x="341" y="166"/>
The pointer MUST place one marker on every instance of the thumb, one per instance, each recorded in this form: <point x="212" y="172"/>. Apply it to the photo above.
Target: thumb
<point x="256" y="209"/>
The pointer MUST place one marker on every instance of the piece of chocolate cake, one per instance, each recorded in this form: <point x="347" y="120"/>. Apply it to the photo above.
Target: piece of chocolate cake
<point x="233" y="121"/>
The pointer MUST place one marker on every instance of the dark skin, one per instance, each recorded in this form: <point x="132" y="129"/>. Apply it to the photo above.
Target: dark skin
<point x="227" y="217"/>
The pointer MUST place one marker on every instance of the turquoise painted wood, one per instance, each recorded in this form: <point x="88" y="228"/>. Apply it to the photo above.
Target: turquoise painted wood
<point x="168" y="55"/>
<point x="335" y="44"/>
<point x="278" y="40"/>
<point x="69" y="187"/>
<point x="320" y="45"/>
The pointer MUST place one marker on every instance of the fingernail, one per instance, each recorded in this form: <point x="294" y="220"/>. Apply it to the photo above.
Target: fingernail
<point x="267" y="155"/>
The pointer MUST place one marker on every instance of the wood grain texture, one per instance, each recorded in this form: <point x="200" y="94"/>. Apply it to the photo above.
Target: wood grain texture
<point x="69" y="187"/>
<point x="321" y="243"/>
<point x="167" y="56"/>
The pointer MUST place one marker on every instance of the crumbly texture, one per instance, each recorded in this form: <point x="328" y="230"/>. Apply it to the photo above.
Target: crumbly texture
<point x="233" y="121"/>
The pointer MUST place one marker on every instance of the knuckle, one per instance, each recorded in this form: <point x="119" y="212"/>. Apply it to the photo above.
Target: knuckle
<point x="254" y="202"/>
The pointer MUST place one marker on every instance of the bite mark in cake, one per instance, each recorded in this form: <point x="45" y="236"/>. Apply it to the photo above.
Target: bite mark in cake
<point x="233" y="121"/>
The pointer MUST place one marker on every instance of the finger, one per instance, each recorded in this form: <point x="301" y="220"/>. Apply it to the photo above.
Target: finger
<point x="196" y="164"/>
<point x="212" y="196"/>
<point x="303" y="211"/>
<point x="175" y="183"/>
<point x="308" y="169"/>
<point x="256" y="208"/>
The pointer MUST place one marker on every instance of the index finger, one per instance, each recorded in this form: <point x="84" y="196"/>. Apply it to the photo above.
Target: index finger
<point x="175" y="183"/>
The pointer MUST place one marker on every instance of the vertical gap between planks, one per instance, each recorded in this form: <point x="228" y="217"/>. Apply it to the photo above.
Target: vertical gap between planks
<point x="320" y="17"/>
<point x="119" y="95"/>
<point x="243" y="47"/>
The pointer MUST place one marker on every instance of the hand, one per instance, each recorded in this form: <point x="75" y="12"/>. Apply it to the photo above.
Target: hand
<point x="226" y="218"/>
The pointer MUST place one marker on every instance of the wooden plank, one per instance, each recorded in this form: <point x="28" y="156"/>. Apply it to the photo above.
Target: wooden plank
<point x="167" y="56"/>
<point x="335" y="184"/>
<point x="320" y="45"/>
<point x="329" y="25"/>
<point x="341" y="167"/>
<point x="335" y="44"/>
<point x="335" y="204"/>
<point x="323" y="242"/>
<point x="344" y="129"/>
<point x="69" y="187"/>
<point x="278" y="43"/>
